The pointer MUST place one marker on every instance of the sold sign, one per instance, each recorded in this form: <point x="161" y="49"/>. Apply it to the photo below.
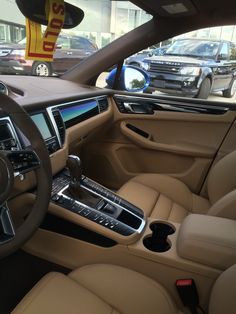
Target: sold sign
<point x="42" y="46"/>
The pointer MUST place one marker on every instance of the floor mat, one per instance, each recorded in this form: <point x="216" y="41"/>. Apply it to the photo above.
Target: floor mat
<point x="19" y="272"/>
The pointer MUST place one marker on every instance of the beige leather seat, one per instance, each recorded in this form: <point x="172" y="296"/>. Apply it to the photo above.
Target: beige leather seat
<point x="108" y="289"/>
<point x="164" y="197"/>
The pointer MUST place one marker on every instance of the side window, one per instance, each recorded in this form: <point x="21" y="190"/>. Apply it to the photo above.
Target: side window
<point x="232" y="52"/>
<point x="76" y="43"/>
<point x="223" y="55"/>
<point x="81" y="43"/>
<point x="63" y="42"/>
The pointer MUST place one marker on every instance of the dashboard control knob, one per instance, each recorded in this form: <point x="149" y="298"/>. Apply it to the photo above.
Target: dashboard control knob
<point x="53" y="148"/>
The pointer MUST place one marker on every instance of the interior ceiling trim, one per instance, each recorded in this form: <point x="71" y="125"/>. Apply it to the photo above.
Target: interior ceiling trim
<point x="167" y="8"/>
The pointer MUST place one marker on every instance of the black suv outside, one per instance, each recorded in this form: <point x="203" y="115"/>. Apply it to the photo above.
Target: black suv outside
<point x="194" y="68"/>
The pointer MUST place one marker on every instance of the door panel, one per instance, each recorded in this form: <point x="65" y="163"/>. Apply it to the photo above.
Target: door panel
<point x="223" y="75"/>
<point x="176" y="139"/>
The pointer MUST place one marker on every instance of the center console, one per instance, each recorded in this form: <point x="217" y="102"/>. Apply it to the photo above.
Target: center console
<point x="88" y="199"/>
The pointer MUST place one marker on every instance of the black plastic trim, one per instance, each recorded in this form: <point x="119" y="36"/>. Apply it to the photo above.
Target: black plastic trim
<point x="137" y="130"/>
<point x="64" y="227"/>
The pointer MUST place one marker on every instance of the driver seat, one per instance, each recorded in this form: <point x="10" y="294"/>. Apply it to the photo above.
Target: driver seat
<point x="110" y="289"/>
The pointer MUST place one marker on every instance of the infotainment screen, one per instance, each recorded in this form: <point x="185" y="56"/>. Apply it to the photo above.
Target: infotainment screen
<point x="78" y="112"/>
<point x="40" y="121"/>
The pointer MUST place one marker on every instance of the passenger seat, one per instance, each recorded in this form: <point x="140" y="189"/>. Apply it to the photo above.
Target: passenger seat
<point x="164" y="197"/>
<point x="110" y="289"/>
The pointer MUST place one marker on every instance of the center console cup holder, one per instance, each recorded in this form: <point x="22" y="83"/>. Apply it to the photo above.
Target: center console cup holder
<point x="158" y="241"/>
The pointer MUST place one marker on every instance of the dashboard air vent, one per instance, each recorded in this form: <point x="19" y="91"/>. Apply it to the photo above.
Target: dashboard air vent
<point x="120" y="105"/>
<point x="60" y="125"/>
<point x="103" y="104"/>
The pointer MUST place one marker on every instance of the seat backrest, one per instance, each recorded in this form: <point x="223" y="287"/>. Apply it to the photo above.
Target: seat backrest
<point x="222" y="178"/>
<point x="223" y="295"/>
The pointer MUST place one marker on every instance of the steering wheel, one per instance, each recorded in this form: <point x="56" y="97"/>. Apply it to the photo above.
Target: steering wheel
<point x="13" y="163"/>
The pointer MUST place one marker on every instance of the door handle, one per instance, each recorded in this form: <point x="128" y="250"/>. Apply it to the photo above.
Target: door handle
<point x="137" y="130"/>
<point x="69" y="53"/>
<point x="139" y="108"/>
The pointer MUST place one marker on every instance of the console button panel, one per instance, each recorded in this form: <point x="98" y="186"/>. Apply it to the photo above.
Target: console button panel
<point x="114" y="198"/>
<point x="92" y="214"/>
<point x="108" y="210"/>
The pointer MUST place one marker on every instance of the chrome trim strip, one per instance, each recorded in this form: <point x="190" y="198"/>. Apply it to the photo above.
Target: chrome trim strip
<point x="153" y="100"/>
<point x="52" y="119"/>
<point x="76" y="101"/>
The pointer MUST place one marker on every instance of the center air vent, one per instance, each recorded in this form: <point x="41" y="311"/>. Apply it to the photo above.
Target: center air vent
<point x="103" y="104"/>
<point x="60" y="125"/>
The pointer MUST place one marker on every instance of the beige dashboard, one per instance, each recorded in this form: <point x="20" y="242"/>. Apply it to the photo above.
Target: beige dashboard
<point x="39" y="94"/>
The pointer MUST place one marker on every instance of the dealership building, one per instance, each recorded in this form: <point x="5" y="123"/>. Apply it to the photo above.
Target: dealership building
<point x="104" y="21"/>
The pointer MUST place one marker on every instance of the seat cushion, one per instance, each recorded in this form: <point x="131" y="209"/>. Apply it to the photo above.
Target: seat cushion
<point x="95" y="289"/>
<point x="223" y="295"/>
<point x="125" y="290"/>
<point x="163" y="197"/>
<point x="58" y="294"/>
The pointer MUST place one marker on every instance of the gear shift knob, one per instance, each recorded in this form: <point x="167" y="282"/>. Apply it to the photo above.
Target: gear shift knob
<point x="75" y="169"/>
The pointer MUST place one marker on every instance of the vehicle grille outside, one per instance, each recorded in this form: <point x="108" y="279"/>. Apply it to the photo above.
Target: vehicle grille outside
<point x="60" y="125"/>
<point x="164" y="68"/>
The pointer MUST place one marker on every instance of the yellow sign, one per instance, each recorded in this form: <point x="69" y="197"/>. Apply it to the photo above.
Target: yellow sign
<point x="41" y="46"/>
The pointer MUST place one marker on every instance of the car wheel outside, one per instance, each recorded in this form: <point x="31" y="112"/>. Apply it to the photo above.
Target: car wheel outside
<point x="41" y="68"/>
<point x="205" y="89"/>
<point x="230" y="92"/>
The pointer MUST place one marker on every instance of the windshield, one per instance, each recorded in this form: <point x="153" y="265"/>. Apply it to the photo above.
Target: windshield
<point x="104" y="21"/>
<point x="194" y="48"/>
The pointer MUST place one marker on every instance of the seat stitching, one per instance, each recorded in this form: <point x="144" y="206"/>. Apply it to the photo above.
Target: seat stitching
<point x="171" y="207"/>
<point x="160" y="193"/>
<point x="152" y="282"/>
<point x="92" y="292"/>
<point x="156" y="201"/>
<point x="114" y="309"/>
<point x="167" y="196"/>
<point x="191" y="210"/>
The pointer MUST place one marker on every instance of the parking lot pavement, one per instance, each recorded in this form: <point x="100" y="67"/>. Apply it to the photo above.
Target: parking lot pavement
<point x="101" y="82"/>
<point x="214" y="97"/>
<point x="219" y="97"/>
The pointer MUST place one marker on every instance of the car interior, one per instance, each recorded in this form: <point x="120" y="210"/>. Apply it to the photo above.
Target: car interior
<point x="115" y="201"/>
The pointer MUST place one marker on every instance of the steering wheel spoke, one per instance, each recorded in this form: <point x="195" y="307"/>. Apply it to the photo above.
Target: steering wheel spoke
<point x="14" y="163"/>
<point x="23" y="161"/>
<point x="7" y="231"/>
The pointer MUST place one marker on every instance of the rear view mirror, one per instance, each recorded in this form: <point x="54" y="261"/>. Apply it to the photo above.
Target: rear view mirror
<point x="222" y="57"/>
<point x="35" y="11"/>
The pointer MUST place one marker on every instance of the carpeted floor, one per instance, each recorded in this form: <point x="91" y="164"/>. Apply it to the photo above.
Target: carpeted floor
<point x="19" y="272"/>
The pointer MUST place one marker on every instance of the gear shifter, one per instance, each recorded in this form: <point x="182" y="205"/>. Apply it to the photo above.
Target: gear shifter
<point x="75" y="190"/>
<point x="79" y="193"/>
<point x="75" y="169"/>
